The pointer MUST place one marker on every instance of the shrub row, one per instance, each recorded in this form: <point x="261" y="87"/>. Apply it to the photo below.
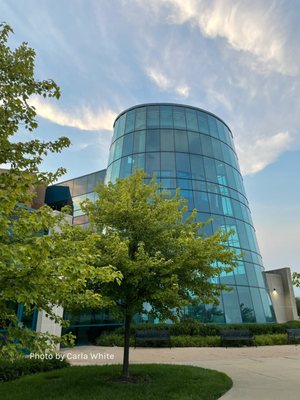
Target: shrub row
<point x="10" y="370"/>
<point x="192" y="341"/>
<point x="189" y="327"/>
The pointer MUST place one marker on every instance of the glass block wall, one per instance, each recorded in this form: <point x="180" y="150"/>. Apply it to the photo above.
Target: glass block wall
<point x="192" y="149"/>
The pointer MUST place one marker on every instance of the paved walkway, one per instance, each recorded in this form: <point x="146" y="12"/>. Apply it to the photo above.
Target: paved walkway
<point x="260" y="373"/>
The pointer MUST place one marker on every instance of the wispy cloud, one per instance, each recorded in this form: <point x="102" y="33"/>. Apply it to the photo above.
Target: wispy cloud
<point x="82" y="118"/>
<point x="167" y="83"/>
<point x="252" y="28"/>
<point x="215" y="96"/>
<point x="254" y="157"/>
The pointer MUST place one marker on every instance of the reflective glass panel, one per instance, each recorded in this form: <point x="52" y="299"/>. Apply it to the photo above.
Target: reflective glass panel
<point x="167" y="140"/>
<point x="240" y="274"/>
<point x="121" y="125"/>
<point x="221" y="131"/>
<point x="231" y="306"/>
<point x="201" y="202"/>
<point x="191" y="120"/>
<point x="115" y="170"/>
<point x="183" y="165"/>
<point x="184" y="184"/>
<point x="210" y="169"/>
<point x="127" y="144"/>
<point x="153" y="117"/>
<point x="153" y="163"/>
<point x="140" y="118"/>
<point x="139" y="141"/>
<point x="167" y="165"/>
<point x="91" y="182"/>
<point x="217" y="150"/>
<point x="118" y="148"/>
<point x="213" y="126"/>
<point x="179" y="118"/>
<point x="80" y="186"/>
<point x="197" y="167"/>
<point x="194" y="143"/>
<point x="202" y="122"/>
<point x="257" y="303"/>
<point x="188" y="195"/>
<point x="166" y="117"/>
<point x="251" y="274"/>
<point x="129" y="125"/>
<point x="267" y="306"/>
<point x="126" y="165"/>
<point x="152" y="140"/>
<point x="138" y="162"/>
<point x="181" y="141"/>
<point x="246" y="304"/>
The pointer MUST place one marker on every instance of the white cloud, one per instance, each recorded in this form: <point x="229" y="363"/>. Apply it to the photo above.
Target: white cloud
<point x="166" y="83"/>
<point x="255" y="156"/>
<point x="82" y="118"/>
<point x="254" y="28"/>
<point x="215" y="97"/>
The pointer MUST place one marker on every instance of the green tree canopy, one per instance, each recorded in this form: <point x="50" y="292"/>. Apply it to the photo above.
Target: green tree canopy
<point x="296" y="279"/>
<point x="164" y="260"/>
<point x="36" y="270"/>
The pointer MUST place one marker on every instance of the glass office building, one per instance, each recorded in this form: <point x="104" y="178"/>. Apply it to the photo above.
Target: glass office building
<point x="73" y="192"/>
<point x="193" y="150"/>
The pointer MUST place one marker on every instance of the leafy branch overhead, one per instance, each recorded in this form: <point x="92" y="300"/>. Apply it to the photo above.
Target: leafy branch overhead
<point x="36" y="269"/>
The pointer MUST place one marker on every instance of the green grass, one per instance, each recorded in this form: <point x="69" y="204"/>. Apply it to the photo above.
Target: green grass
<point x="154" y="381"/>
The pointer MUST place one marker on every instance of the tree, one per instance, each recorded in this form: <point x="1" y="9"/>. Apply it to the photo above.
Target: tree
<point x="36" y="270"/>
<point x="296" y="279"/>
<point x="164" y="260"/>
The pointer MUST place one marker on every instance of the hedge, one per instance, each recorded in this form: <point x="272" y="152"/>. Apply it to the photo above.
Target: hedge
<point x="10" y="370"/>
<point x="192" y="341"/>
<point x="188" y="327"/>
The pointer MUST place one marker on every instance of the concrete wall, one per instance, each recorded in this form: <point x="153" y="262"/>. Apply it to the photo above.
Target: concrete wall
<point x="282" y="294"/>
<point x="45" y="324"/>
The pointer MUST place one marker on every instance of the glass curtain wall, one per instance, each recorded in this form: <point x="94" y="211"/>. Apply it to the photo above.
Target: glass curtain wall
<point x="193" y="150"/>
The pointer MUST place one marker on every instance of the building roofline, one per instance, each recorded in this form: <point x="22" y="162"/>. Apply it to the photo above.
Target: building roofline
<point x="170" y="104"/>
<point x="81" y="176"/>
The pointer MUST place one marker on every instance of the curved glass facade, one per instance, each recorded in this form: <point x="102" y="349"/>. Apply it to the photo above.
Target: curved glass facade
<point x="193" y="149"/>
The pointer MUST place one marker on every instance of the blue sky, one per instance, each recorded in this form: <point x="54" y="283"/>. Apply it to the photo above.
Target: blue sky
<point x="237" y="59"/>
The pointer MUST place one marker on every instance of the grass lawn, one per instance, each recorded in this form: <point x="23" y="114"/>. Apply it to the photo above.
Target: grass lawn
<point x="153" y="382"/>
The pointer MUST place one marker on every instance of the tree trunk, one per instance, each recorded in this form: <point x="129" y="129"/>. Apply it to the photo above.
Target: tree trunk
<point x="125" y="373"/>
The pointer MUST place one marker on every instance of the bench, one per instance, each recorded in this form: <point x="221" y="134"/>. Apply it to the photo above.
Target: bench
<point x="293" y="335"/>
<point x="152" y="335"/>
<point x="229" y="336"/>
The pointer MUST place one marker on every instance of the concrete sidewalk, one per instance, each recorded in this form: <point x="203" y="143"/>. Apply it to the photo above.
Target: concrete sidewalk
<point x="260" y="373"/>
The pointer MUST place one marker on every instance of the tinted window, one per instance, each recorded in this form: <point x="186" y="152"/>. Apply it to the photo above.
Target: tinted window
<point x="181" y="142"/>
<point x="152" y="163"/>
<point x="152" y="140"/>
<point x="179" y="118"/>
<point x="129" y="125"/>
<point x="166" y="140"/>
<point x="191" y="120"/>
<point x="127" y="144"/>
<point x="168" y="164"/>
<point x="139" y="141"/>
<point x="166" y="117"/>
<point x="140" y="118"/>
<point x="231" y="306"/>
<point x="183" y="165"/>
<point x="153" y="117"/>
<point x="202" y="122"/>
<point x="194" y="143"/>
